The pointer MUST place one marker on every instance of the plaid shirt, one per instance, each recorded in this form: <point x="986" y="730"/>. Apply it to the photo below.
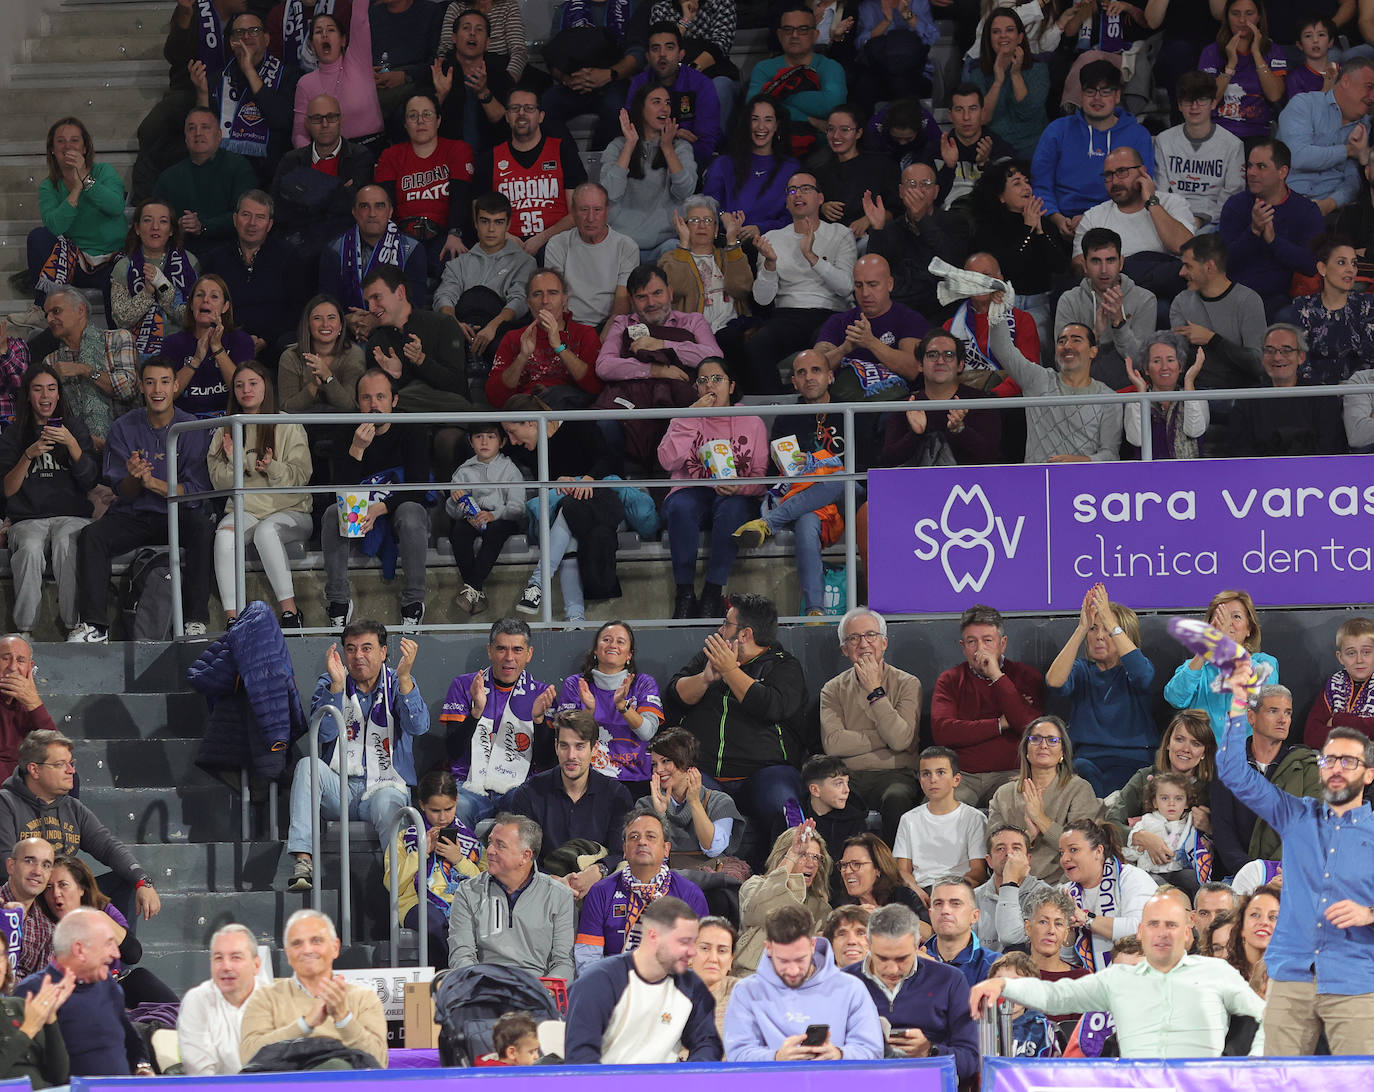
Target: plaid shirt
<point x="109" y="353"/>
<point x="35" y="944"/>
<point x="715" y="22"/>
<point x="13" y="363"/>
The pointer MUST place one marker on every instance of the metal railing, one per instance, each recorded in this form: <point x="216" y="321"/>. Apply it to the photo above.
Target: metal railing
<point x="845" y="411"/>
<point x="995" y="1037"/>
<point x="408" y="815"/>
<point x="316" y="838"/>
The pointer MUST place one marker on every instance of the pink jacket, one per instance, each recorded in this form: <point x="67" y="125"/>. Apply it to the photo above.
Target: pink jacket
<point x="677" y="451"/>
<point x="610" y="365"/>
<point x="349" y="80"/>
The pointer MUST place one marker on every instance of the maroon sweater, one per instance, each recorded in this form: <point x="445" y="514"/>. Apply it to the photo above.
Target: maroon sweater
<point x="964" y="711"/>
<point x="15" y="723"/>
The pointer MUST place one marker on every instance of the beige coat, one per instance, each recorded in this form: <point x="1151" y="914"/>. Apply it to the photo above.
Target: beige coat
<point x="290" y="465"/>
<point x="878" y="736"/>
<point x="761" y="894"/>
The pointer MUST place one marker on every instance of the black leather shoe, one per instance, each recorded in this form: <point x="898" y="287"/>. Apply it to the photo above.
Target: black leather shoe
<point x="711" y="605"/>
<point x="685" y="606"/>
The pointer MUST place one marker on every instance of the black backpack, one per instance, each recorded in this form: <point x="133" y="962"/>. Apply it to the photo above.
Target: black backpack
<point x="145" y="595"/>
<point x="468" y="1002"/>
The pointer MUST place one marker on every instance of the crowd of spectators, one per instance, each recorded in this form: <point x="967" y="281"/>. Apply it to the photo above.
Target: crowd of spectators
<point x="1178" y="201"/>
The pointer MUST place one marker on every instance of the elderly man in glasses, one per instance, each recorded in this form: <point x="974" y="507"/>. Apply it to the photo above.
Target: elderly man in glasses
<point x="910" y="236"/>
<point x="870" y="714"/>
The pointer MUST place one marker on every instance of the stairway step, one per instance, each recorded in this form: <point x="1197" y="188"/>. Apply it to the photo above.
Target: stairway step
<point x="123" y="668"/>
<point x="133" y="100"/>
<point x="150" y="816"/>
<point x="84" y="74"/>
<point x="111" y="128"/>
<point x="141" y="18"/>
<point x="140" y="763"/>
<point x="95" y="49"/>
<point x="126" y="716"/>
<point x="211" y="867"/>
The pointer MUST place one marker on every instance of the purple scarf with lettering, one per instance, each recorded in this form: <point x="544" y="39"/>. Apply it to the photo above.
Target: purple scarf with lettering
<point x="177" y="268"/>
<point x="1095" y="952"/>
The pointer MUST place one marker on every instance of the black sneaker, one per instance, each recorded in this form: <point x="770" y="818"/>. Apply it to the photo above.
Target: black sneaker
<point x="685" y="606"/>
<point x="412" y="614"/>
<point x="530" y="599"/>
<point x="340" y="614"/>
<point x="291" y="620"/>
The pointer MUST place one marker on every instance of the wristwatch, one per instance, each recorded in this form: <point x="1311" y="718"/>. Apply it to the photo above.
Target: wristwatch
<point x="876" y="693"/>
<point x="1152" y="201"/>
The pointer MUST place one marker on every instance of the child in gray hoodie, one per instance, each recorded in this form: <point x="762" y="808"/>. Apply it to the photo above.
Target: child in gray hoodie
<point x="486" y="508"/>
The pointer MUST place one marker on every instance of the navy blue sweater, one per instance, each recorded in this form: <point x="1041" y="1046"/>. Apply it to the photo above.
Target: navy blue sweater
<point x="101" y="1041"/>
<point x="934" y="999"/>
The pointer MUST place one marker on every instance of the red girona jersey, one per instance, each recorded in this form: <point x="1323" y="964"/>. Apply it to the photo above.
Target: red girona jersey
<point x="423" y="185"/>
<point x="538" y="193"/>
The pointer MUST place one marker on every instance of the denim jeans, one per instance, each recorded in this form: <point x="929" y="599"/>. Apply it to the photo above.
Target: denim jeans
<point x="1107" y="770"/>
<point x="686" y="512"/>
<point x="379" y="809"/>
<point x="799" y="513"/>
<point x="473" y="807"/>
<point x="410" y="523"/>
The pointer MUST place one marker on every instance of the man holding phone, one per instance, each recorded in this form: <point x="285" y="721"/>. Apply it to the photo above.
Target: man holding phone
<point x="926" y="1001"/>
<point x="800" y="1006"/>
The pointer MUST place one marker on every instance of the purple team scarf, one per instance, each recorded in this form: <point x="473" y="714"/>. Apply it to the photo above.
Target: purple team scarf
<point x="295" y="46"/>
<point x="177" y="268"/>
<point x="240" y="118"/>
<point x="1108" y="899"/>
<point x="351" y="264"/>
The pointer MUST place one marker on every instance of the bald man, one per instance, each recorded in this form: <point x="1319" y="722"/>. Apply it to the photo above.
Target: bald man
<point x="871" y="347"/>
<point x="30" y="867"/>
<point x="1173" y="1005"/>
<point x="970" y="325"/>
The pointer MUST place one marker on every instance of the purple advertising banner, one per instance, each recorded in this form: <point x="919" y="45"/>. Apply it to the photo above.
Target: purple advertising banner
<point x="1189" y="1075"/>
<point x="1163" y="534"/>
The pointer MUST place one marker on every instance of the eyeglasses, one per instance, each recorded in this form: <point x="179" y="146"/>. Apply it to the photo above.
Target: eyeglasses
<point x="1120" y="172"/>
<point x="323" y="119"/>
<point x="700" y="221"/>
<point x="803" y="188"/>
<point x="422" y="115"/>
<point x="528" y="108"/>
<point x="853" y="866"/>
<point x="840" y="130"/>
<point x="814" y="858"/>
<point x="68" y="764"/>
<point x="941" y="354"/>
<point x="919" y="183"/>
<point x="710" y="380"/>
<point x="1284" y="351"/>
<point x="247" y="32"/>
<point x="1345" y="762"/>
<point x="1043" y="741"/>
<point x="794" y="30"/>
<point x="872" y="637"/>
<point x="1100" y="92"/>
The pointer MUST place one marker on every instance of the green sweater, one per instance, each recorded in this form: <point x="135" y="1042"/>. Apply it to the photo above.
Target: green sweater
<point x="210" y="190"/>
<point x="96" y="224"/>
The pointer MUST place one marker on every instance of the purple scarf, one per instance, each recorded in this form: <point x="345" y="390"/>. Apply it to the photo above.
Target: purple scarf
<point x="177" y="268"/>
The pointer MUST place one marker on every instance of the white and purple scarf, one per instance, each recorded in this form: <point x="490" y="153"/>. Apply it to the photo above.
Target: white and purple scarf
<point x="1095" y="952"/>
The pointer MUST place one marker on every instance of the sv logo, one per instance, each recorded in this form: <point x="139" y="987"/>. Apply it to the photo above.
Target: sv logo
<point x="966" y="525"/>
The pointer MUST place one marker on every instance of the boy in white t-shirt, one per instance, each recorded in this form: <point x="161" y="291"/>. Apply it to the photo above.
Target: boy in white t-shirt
<point x="941" y="837"/>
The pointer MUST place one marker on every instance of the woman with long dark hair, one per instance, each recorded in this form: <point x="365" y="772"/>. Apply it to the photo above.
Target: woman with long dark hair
<point x="320" y="371"/>
<point x="1256" y="918"/>
<point x="751" y="177"/>
<point x="1249" y="68"/>
<point x="625" y="702"/>
<point x="207" y="349"/>
<point x="276" y="453"/>
<point x="1109" y="895"/>
<point x="49" y="465"/>
<point x="871" y="878"/>
<point x="1015" y="85"/>
<point x="344" y="73"/>
<point x="647" y="170"/>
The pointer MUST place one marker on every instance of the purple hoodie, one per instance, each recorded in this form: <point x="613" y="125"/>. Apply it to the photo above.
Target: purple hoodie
<point x="764" y="1011"/>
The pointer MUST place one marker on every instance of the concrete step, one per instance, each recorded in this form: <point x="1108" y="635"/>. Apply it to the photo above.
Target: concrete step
<point x="211" y="867"/>
<point x="133" y="99"/>
<point x="129" y="668"/>
<point x="94" y="49"/>
<point x="152" y="816"/>
<point x="136" y="18"/>
<point x="125" y="717"/>
<point x="84" y="74"/>
<point x="112" y="129"/>
<point x="141" y="763"/>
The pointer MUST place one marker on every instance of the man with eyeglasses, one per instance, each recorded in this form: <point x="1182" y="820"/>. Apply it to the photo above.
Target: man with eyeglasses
<point x="252" y="93"/>
<point x="35" y="802"/>
<point x="1152" y="225"/>
<point x="1198" y="159"/>
<point x="159" y="133"/>
<point x="980" y="707"/>
<point x="538" y="173"/>
<point x="923" y="437"/>
<point x="1068" y="162"/>
<point x="1121" y="313"/>
<point x="1269" y="228"/>
<point x="315" y="185"/>
<point x="1300" y="426"/>
<point x="1238" y="835"/>
<point x="806" y="271"/>
<point x="1321" y="957"/>
<point x="870" y="717"/>
<point x="910" y="238"/>
<point x="806" y="83"/>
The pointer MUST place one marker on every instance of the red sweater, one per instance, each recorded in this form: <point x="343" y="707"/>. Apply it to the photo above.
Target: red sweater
<point x="1320" y="721"/>
<point x="15" y="723"/>
<point x="964" y="711"/>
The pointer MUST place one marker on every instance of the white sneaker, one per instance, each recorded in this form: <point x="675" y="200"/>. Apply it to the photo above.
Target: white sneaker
<point x="471" y="600"/>
<point x="530" y="599"/>
<point x="86" y="634"/>
<point x="195" y="629"/>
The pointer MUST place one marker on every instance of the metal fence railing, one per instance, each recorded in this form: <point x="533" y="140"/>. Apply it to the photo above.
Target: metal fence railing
<point x="1140" y="402"/>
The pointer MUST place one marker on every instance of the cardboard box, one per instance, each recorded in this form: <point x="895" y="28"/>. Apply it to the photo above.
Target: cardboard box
<point x="421" y="1032"/>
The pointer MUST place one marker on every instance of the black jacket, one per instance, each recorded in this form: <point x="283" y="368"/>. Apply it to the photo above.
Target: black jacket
<point x="908" y="251"/>
<point x="739" y="738"/>
<point x="315" y="204"/>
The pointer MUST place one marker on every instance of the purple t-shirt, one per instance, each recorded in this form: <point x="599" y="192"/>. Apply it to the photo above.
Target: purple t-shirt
<point x="621" y="753"/>
<point x="207" y="395"/>
<point x="859" y="375"/>
<point x="1244" y="110"/>
<point x="498" y="753"/>
<point x="1301" y="80"/>
<point x="606" y="911"/>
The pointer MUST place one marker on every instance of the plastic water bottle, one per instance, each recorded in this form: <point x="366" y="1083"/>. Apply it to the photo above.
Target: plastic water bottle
<point x="385" y="65"/>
